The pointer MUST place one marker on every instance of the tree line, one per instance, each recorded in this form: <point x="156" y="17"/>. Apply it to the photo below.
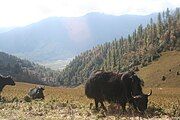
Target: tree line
<point x="140" y="48"/>
<point x="26" y="71"/>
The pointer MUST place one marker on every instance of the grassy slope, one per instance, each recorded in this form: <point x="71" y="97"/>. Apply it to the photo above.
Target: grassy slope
<point x="51" y="93"/>
<point x="164" y="100"/>
<point x="152" y="74"/>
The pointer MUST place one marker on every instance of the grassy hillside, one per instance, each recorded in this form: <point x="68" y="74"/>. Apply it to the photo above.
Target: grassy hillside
<point x="168" y="65"/>
<point x="151" y="75"/>
<point x="164" y="103"/>
<point x="52" y="93"/>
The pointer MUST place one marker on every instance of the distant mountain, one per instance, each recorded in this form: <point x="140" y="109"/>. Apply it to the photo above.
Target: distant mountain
<point x="64" y="37"/>
<point x="5" y="29"/>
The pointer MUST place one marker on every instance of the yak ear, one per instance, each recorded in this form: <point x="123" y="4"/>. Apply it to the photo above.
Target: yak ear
<point x="42" y="87"/>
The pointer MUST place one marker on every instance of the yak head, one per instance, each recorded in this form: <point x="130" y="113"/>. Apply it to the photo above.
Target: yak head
<point x="9" y="81"/>
<point x="140" y="101"/>
<point x="40" y="89"/>
<point x="39" y="94"/>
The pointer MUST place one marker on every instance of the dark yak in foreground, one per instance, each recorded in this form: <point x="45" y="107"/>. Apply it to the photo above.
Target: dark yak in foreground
<point x="36" y="93"/>
<point x="5" y="81"/>
<point x="117" y="88"/>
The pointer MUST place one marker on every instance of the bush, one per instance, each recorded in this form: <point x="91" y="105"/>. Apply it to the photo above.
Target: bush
<point x="27" y="99"/>
<point x="143" y="64"/>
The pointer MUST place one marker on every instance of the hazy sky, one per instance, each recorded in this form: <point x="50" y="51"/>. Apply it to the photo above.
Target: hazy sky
<point x="23" y="12"/>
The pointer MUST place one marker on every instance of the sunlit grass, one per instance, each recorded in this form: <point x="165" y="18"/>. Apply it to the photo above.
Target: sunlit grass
<point x="163" y="101"/>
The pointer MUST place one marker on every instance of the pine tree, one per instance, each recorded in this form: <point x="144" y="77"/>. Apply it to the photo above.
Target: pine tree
<point x="114" y="58"/>
<point x="160" y="26"/>
<point x="129" y="42"/>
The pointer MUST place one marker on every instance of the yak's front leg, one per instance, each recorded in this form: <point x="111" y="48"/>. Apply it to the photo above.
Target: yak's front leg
<point x="96" y="103"/>
<point x="102" y="104"/>
<point x="124" y="107"/>
<point x="0" y="95"/>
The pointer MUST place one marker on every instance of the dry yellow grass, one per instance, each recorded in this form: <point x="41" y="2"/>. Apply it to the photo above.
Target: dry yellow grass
<point x="72" y="94"/>
<point x="165" y="99"/>
<point x="51" y="93"/>
<point x="152" y="74"/>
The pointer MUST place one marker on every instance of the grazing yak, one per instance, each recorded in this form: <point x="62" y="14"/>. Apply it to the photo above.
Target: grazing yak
<point x="5" y="81"/>
<point x="36" y="93"/>
<point x="118" y="88"/>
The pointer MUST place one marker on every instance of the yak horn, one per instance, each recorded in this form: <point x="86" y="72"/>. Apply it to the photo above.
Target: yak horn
<point x="150" y="93"/>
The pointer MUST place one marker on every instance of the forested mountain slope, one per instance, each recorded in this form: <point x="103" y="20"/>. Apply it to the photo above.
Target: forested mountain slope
<point x="138" y="49"/>
<point x="26" y="71"/>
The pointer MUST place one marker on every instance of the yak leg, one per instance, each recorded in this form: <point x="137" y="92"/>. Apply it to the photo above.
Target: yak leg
<point x="102" y="104"/>
<point x="124" y="107"/>
<point x="96" y="103"/>
<point x="0" y="95"/>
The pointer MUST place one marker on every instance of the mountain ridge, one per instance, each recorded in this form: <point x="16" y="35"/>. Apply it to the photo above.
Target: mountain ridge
<point x="57" y="38"/>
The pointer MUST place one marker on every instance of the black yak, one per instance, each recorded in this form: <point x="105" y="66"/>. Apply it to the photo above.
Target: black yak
<point x="36" y="93"/>
<point x="118" y="88"/>
<point x="5" y="81"/>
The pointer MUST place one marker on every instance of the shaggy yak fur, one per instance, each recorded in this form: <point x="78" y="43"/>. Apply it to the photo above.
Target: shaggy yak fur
<point x="5" y="81"/>
<point x="118" y="88"/>
<point x="37" y="92"/>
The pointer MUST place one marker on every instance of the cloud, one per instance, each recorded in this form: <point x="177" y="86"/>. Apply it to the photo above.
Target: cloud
<point x="23" y="12"/>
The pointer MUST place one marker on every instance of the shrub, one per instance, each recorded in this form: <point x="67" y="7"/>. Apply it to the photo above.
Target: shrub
<point x="27" y="99"/>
